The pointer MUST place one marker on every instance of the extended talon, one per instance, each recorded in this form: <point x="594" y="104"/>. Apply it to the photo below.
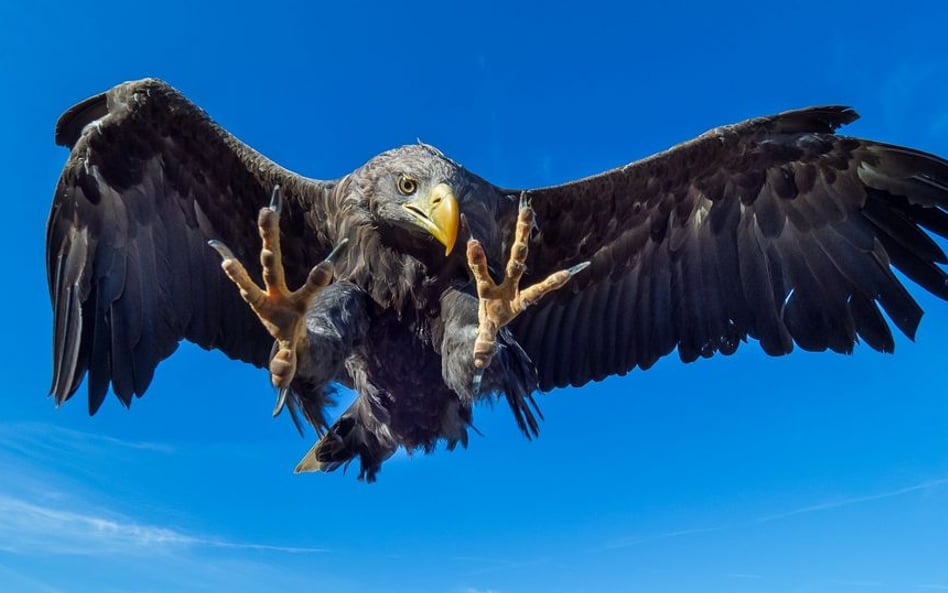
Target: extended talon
<point x="282" y="311"/>
<point x="281" y="401"/>
<point x="499" y="304"/>
<point x="478" y="377"/>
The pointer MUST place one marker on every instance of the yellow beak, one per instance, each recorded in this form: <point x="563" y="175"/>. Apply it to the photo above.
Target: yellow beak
<point x="438" y="214"/>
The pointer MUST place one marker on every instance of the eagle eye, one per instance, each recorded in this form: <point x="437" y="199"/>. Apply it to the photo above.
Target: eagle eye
<point x="406" y="185"/>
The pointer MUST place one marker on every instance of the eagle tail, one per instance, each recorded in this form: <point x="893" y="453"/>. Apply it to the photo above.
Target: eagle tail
<point x="357" y="433"/>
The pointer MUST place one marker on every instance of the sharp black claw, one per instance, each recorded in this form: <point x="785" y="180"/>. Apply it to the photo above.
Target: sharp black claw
<point x="476" y="384"/>
<point x="578" y="268"/>
<point x="222" y="249"/>
<point x="331" y="258"/>
<point x="281" y="401"/>
<point x="276" y="199"/>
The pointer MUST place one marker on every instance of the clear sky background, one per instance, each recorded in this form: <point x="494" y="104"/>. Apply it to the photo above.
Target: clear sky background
<point x="810" y="473"/>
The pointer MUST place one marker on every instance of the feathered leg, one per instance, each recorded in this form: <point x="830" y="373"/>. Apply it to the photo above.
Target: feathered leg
<point x="511" y="374"/>
<point x="338" y="318"/>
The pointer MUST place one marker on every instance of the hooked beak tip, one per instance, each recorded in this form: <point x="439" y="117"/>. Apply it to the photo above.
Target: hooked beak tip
<point x="438" y="213"/>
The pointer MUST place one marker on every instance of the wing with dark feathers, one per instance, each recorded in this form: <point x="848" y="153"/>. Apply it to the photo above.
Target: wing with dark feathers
<point x="774" y="228"/>
<point x="149" y="180"/>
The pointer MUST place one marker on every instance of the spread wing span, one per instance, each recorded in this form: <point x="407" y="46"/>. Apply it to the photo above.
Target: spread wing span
<point x="775" y="229"/>
<point x="149" y="181"/>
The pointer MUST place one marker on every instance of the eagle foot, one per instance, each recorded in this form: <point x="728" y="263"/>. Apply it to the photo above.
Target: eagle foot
<point x="282" y="311"/>
<point x="499" y="304"/>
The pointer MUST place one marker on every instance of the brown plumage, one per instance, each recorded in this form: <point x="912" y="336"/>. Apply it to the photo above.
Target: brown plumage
<point x="775" y="229"/>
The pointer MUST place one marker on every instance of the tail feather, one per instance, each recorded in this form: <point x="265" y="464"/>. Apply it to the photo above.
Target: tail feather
<point x="357" y="433"/>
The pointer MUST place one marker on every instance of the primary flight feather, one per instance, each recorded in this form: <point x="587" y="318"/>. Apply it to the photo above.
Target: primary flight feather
<point x="775" y="229"/>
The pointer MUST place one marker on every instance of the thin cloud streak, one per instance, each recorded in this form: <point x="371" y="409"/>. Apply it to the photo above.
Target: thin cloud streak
<point x="848" y="583"/>
<point x="923" y="486"/>
<point x="496" y="564"/>
<point x="856" y="500"/>
<point x="635" y="541"/>
<point x="54" y="436"/>
<point x="743" y="575"/>
<point x="26" y="527"/>
<point x="25" y="583"/>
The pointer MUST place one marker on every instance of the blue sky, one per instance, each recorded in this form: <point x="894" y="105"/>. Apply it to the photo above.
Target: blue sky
<point x="805" y="474"/>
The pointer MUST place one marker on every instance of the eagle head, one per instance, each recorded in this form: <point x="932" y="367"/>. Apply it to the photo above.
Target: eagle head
<point x="413" y="189"/>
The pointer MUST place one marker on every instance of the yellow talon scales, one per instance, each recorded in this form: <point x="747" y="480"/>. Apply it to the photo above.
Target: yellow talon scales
<point x="282" y="311"/>
<point x="499" y="304"/>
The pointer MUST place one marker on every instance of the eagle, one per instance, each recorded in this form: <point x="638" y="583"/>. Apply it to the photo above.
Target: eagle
<point x="426" y="289"/>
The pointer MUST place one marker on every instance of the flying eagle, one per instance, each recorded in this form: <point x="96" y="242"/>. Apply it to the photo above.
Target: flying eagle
<point x="775" y="229"/>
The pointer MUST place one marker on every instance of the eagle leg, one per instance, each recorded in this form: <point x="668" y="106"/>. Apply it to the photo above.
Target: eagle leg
<point x="282" y="311"/>
<point x="499" y="304"/>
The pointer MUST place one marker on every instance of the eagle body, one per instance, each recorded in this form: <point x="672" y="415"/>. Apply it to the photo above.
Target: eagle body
<point x="399" y="293"/>
<point x="776" y="230"/>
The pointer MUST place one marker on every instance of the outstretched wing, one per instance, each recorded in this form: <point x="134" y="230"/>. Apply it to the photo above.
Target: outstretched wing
<point x="149" y="181"/>
<point x="774" y="228"/>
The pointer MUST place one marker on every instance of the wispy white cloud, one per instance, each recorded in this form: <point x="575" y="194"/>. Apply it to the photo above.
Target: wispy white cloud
<point x="24" y="583"/>
<point x="743" y="576"/>
<point x="34" y="435"/>
<point x="485" y="565"/>
<point x="843" y="502"/>
<point x="46" y="464"/>
<point x="56" y="513"/>
<point x="638" y="540"/>
<point x="824" y="506"/>
<point x="27" y="527"/>
<point x="857" y="583"/>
